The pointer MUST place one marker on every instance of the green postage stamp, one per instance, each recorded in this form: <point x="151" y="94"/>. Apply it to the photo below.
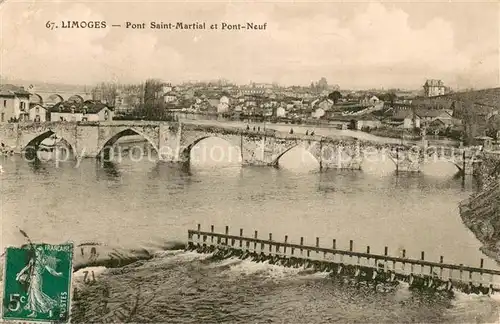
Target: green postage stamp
<point x="37" y="283"/>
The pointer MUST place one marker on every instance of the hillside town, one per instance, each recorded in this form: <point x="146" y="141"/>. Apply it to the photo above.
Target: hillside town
<point x="434" y="110"/>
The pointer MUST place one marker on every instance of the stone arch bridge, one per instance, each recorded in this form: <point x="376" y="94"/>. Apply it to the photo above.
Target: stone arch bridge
<point x="173" y="142"/>
<point x="49" y="98"/>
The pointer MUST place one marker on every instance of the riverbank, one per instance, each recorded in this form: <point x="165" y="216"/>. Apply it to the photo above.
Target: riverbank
<point x="481" y="214"/>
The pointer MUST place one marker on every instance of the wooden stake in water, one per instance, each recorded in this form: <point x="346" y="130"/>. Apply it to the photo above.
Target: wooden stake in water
<point x="386" y="252"/>
<point x="227" y="233"/>
<point x="241" y="235"/>
<point x="441" y="268"/>
<point x="211" y="236"/>
<point x="351" y="244"/>
<point x="255" y="243"/>
<point x="481" y="274"/>
<point x="301" y="244"/>
<point x="422" y="257"/>
<point x="368" y="252"/>
<point x="270" y="239"/>
<point x="286" y="241"/>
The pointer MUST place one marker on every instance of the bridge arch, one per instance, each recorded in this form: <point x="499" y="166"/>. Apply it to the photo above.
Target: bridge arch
<point x="287" y="149"/>
<point x="233" y="149"/>
<point x="76" y="98"/>
<point x="126" y="132"/>
<point x="302" y="157"/>
<point x="383" y="154"/>
<point x="380" y="161"/>
<point x="54" y="99"/>
<point x="36" y="98"/>
<point x="35" y="142"/>
<point x="430" y="159"/>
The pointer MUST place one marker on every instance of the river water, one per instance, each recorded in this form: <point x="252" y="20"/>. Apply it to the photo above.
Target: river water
<point x="134" y="204"/>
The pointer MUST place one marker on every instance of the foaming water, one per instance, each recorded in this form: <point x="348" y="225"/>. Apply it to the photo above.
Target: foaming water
<point x="187" y="287"/>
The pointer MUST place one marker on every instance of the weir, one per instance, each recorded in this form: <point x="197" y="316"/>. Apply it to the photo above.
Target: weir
<point x="361" y="266"/>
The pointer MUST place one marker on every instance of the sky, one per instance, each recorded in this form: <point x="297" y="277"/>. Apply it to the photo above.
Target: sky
<point x="357" y="45"/>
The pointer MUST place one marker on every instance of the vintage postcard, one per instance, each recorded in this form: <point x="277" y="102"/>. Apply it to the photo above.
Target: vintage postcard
<point x="249" y="161"/>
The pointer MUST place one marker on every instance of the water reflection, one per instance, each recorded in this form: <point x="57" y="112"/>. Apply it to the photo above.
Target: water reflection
<point x="107" y="170"/>
<point x="37" y="166"/>
<point x="378" y="164"/>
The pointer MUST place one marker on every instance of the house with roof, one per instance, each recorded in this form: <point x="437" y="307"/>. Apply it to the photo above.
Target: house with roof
<point x="323" y="103"/>
<point x="38" y="113"/>
<point x="89" y="110"/>
<point x="14" y="103"/>
<point x="406" y="119"/>
<point x="433" y="87"/>
<point x="279" y="112"/>
<point x="429" y="115"/>
<point x="223" y="105"/>
<point x="170" y="96"/>
<point x="370" y="101"/>
<point x="365" y="121"/>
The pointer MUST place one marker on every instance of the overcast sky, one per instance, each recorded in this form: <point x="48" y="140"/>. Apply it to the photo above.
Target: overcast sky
<point x="355" y="45"/>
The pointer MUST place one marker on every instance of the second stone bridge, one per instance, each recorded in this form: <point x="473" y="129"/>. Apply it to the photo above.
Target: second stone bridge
<point x="175" y="141"/>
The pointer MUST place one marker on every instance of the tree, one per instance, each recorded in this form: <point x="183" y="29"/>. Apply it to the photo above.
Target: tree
<point x="152" y="89"/>
<point x="105" y="92"/>
<point x="471" y="122"/>
<point x="390" y="97"/>
<point x="154" y="106"/>
<point x="335" y="96"/>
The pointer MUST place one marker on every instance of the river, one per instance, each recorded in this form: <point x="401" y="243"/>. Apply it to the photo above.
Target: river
<point x="146" y="204"/>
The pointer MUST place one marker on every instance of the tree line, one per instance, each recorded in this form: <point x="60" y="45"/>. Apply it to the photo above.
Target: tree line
<point x="145" y="99"/>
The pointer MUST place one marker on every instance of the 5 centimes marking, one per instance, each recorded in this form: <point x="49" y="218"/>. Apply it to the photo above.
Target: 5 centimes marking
<point x="37" y="283"/>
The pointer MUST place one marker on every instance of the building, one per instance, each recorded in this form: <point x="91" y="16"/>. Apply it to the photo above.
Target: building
<point x="223" y="105"/>
<point x="323" y="103"/>
<point x="14" y="103"/>
<point x="86" y="111"/>
<point x="434" y="88"/>
<point x="279" y="112"/>
<point x="37" y="113"/>
<point x="170" y="97"/>
<point x="406" y="119"/>
<point x="370" y="101"/>
<point x="366" y="121"/>
<point x="429" y="115"/>
<point x="318" y="113"/>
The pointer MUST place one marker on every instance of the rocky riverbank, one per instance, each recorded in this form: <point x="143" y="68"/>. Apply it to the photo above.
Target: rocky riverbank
<point x="481" y="212"/>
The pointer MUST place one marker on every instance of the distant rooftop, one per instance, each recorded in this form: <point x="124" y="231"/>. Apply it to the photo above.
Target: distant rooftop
<point x="433" y="83"/>
<point x="90" y="106"/>
<point x="10" y="90"/>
